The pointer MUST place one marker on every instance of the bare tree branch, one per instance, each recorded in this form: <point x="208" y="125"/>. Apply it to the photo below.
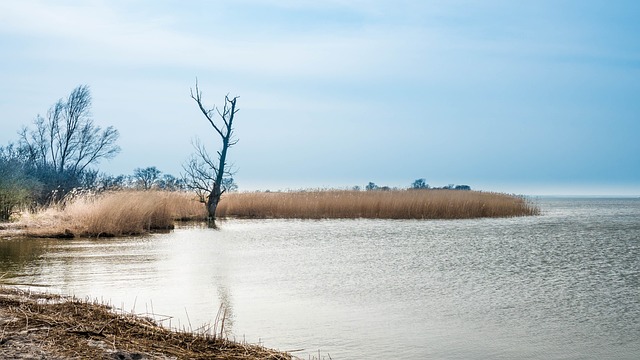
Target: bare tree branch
<point x="207" y="113"/>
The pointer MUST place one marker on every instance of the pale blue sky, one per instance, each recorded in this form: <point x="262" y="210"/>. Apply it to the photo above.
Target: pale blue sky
<point x="528" y="97"/>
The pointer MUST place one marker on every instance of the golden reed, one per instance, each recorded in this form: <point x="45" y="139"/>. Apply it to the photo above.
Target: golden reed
<point x="125" y="213"/>
<point x="118" y="213"/>
<point x="395" y="204"/>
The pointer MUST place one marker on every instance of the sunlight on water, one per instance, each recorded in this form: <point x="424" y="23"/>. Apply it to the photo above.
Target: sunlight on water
<point x="562" y="285"/>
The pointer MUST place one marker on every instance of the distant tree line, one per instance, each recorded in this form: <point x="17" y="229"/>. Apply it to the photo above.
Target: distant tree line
<point x="418" y="184"/>
<point x="150" y="178"/>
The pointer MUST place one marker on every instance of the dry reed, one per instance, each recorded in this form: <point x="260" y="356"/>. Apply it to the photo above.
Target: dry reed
<point x="137" y="212"/>
<point x="115" y="214"/>
<point x="397" y="204"/>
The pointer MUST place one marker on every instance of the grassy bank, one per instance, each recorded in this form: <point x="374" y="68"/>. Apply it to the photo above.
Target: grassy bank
<point x="397" y="204"/>
<point x="41" y="326"/>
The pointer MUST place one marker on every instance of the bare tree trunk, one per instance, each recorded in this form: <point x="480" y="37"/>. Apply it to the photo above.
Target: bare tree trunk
<point x="212" y="203"/>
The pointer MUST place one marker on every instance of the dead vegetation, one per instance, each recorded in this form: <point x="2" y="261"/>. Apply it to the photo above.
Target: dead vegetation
<point x="394" y="204"/>
<point x="124" y="213"/>
<point x="110" y="214"/>
<point x="41" y="326"/>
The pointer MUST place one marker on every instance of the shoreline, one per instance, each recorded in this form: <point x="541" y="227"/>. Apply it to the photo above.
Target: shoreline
<point x="36" y="325"/>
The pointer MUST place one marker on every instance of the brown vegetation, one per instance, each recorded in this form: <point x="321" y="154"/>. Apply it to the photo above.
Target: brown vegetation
<point x="40" y="326"/>
<point x="114" y="214"/>
<point x="124" y="213"/>
<point x="396" y="204"/>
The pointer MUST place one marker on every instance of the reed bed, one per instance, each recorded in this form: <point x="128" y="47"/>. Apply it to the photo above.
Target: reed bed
<point x="125" y="213"/>
<point x="43" y="326"/>
<point x="114" y="214"/>
<point x="396" y="204"/>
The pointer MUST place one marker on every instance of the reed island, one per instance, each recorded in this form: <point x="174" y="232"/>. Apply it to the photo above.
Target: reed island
<point x="135" y="212"/>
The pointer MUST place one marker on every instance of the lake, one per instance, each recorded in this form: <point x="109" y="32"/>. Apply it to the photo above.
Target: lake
<point x="562" y="285"/>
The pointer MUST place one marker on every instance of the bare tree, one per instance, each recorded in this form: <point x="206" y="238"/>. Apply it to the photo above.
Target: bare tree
<point x="169" y="182"/>
<point x="68" y="140"/>
<point x="203" y="173"/>
<point x="61" y="148"/>
<point x="147" y="177"/>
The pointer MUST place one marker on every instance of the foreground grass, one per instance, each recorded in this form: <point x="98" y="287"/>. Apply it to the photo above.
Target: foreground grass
<point x="41" y="326"/>
<point x="397" y="204"/>
<point x="137" y="212"/>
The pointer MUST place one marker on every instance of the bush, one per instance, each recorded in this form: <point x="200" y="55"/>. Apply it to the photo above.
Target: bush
<point x="16" y="188"/>
<point x="12" y="198"/>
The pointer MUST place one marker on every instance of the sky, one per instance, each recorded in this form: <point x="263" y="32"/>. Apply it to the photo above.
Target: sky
<point x="526" y="97"/>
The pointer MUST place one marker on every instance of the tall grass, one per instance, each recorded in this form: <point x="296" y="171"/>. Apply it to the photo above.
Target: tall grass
<point x="137" y="212"/>
<point x="397" y="204"/>
<point x="115" y="214"/>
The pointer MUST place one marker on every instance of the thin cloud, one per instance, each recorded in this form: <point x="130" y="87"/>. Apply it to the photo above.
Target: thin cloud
<point x="95" y="32"/>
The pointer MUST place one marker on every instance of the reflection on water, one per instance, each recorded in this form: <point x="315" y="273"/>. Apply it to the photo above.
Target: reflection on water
<point x="562" y="285"/>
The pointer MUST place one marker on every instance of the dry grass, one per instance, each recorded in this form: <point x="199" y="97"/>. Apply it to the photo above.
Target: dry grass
<point x="137" y="212"/>
<point x="397" y="204"/>
<point x="114" y="214"/>
<point x="44" y="326"/>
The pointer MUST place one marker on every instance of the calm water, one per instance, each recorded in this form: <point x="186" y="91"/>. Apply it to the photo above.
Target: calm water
<point x="564" y="285"/>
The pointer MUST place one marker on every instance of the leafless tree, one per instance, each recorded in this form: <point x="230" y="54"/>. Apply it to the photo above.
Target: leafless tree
<point x="68" y="140"/>
<point x="203" y="173"/>
<point x="61" y="149"/>
<point x="146" y="178"/>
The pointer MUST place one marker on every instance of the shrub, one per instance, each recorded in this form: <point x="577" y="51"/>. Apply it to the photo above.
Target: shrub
<point x="16" y="188"/>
